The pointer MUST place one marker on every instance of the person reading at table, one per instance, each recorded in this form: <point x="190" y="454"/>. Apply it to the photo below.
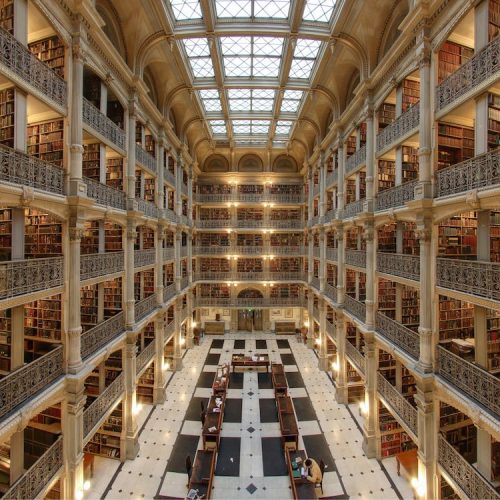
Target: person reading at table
<point x="313" y="471"/>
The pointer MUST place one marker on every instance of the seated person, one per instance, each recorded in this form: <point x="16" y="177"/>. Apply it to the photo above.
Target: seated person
<point x="313" y="471"/>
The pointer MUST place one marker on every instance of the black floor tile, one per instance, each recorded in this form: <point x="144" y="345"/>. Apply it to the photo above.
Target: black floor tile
<point x="194" y="409"/>
<point x="317" y="448"/>
<point x="212" y="359"/>
<point x="268" y="411"/>
<point x="232" y="410"/>
<point x="273" y="457"/>
<point x="288" y="359"/>
<point x="236" y="380"/>
<point x="184" y="445"/>
<point x="206" y="380"/>
<point x="228" y="459"/>
<point x="294" y="380"/>
<point x="261" y="344"/>
<point x="239" y="344"/>
<point x="265" y="381"/>
<point x="217" y="344"/>
<point x="304" y="409"/>
<point x="282" y="344"/>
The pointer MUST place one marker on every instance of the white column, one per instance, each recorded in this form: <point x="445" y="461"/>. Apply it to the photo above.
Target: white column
<point x="341" y="377"/>
<point x="322" y="185"/>
<point x="322" y="259"/>
<point x="159" y="264"/>
<point x="177" y="360"/>
<point x="131" y="236"/>
<point x="370" y="157"/>
<point x="323" y="351"/>
<point x="370" y="274"/>
<point x="130" y="403"/>
<point x="340" y="263"/>
<point x="177" y="261"/>
<point x="159" y="394"/>
<point x="370" y="434"/>
<point x="341" y="168"/>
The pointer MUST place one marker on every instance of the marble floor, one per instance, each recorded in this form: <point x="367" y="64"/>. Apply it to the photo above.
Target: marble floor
<point x="248" y="464"/>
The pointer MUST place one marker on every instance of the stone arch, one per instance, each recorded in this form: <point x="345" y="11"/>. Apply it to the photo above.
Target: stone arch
<point x="250" y="293"/>
<point x="284" y="163"/>
<point x="112" y="26"/>
<point x="250" y="163"/>
<point x="353" y="83"/>
<point x="216" y="163"/>
<point x="390" y="32"/>
<point x="150" y="84"/>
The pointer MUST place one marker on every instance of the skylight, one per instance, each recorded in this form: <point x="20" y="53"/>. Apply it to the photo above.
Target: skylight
<point x="251" y="56"/>
<point x="276" y="9"/>
<point x="304" y="57"/>
<point x="218" y="127"/>
<point x="251" y="100"/>
<point x="319" y="10"/>
<point x="198" y="53"/>
<point x="251" y="127"/>
<point x="210" y="99"/>
<point x="283" y="127"/>
<point x="186" y="9"/>
<point x="291" y="101"/>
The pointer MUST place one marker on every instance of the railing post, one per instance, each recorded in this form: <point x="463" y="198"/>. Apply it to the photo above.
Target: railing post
<point x="159" y="382"/>
<point x="130" y="402"/>
<point x="341" y="378"/>
<point x="370" y="433"/>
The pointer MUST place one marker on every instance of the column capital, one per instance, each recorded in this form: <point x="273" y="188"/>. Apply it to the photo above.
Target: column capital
<point x="368" y="231"/>
<point x="75" y="234"/>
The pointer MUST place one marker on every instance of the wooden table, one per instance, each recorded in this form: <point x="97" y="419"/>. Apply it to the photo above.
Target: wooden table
<point x="409" y="461"/>
<point x="280" y="383"/>
<point x="239" y="360"/>
<point x="301" y="487"/>
<point x="288" y="423"/>
<point x="221" y="380"/>
<point x="203" y="472"/>
<point x="213" y="419"/>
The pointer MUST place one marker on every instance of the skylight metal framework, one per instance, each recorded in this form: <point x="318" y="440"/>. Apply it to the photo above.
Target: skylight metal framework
<point x="250" y="79"/>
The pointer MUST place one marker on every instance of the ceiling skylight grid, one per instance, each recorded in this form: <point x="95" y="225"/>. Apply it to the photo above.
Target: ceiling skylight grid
<point x="218" y="127"/>
<point x="250" y="127"/>
<point x="248" y="9"/>
<point x="186" y="9"/>
<point x="198" y="53"/>
<point x="211" y="100"/>
<point x="304" y="57"/>
<point x="259" y="100"/>
<point x="291" y="101"/>
<point x="319" y="10"/>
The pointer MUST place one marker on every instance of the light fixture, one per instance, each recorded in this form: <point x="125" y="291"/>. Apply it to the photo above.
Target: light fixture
<point x="306" y="324"/>
<point x="137" y="408"/>
<point x="418" y="486"/>
<point x="166" y="366"/>
<point x="335" y="366"/>
<point x="363" y="408"/>
<point x="182" y="341"/>
<point x="194" y="324"/>
<point x="79" y="495"/>
<point x="317" y="341"/>
<point x="86" y="485"/>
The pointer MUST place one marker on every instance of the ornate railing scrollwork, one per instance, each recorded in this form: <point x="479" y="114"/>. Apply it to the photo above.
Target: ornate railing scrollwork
<point x="332" y="254"/>
<point x="101" y="264"/>
<point x="25" y="170"/>
<point x="484" y="65"/>
<point x="144" y="357"/>
<point x="168" y="292"/>
<point x="352" y="209"/>
<point x="99" y="122"/>
<point x="329" y="216"/>
<point x="355" y="258"/>
<point x="315" y="282"/>
<point x="19" y="277"/>
<point x="98" y="336"/>
<point x="105" y="195"/>
<point x="209" y="275"/>
<point x="479" y="172"/>
<point x="145" y="306"/>
<point x="468" y="479"/>
<point x="23" y="383"/>
<point x="332" y="178"/>
<point x="477" y="383"/>
<point x="169" y="331"/>
<point x="169" y="215"/>
<point x="355" y="307"/>
<point x="18" y="61"/>
<point x="100" y="406"/>
<point x="357" y="359"/>
<point x="331" y="292"/>
<point x="184" y="282"/>
<point x="399" y="334"/>
<point x="398" y="264"/>
<point x="399" y="404"/>
<point x="213" y="224"/>
<point x="404" y="124"/>
<point x="357" y="159"/>
<point x="481" y="279"/>
<point x="168" y="253"/>
<point x="145" y="257"/>
<point x="144" y="158"/>
<point x="147" y="208"/>
<point x="396" y="196"/>
<point x="39" y="475"/>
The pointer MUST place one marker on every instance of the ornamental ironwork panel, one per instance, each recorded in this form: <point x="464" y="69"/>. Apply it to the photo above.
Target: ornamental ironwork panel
<point x="209" y="275"/>
<point x="144" y="158"/>
<point x="352" y="209"/>
<point x="398" y="264"/>
<point x="100" y="335"/>
<point x="332" y="178"/>
<point x="285" y="224"/>
<point x="468" y="478"/>
<point x="169" y="215"/>
<point x="99" y="122"/>
<point x="184" y="282"/>
<point x="169" y="177"/>
<point x="101" y="264"/>
<point x="355" y="258"/>
<point x="144" y="357"/>
<point x="315" y="282"/>
<point x="356" y="357"/>
<point x="39" y="475"/>
<point x="355" y="307"/>
<point x="145" y="306"/>
<point x="484" y="65"/>
<point x="100" y="406"/>
<point x="145" y="257"/>
<point x="331" y="292"/>
<point x="20" y="385"/>
<point x="25" y="170"/>
<point x="250" y="276"/>
<point x="284" y="276"/>
<point x="469" y="378"/>
<point x="396" y="196"/>
<point x="147" y="208"/>
<point x="399" y="404"/>
<point x="404" y="124"/>
<point x="250" y="223"/>
<point x="169" y="253"/>
<point x="211" y="224"/>
<point x="399" y="334"/>
<point x="20" y="277"/>
<point x="479" y="172"/>
<point x="105" y="195"/>
<point x="169" y="331"/>
<point x="215" y="198"/>
<point x="332" y="254"/>
<point x="21" y="62"/>
<point x="475" y="277"/>
<point x="283" y="198"/>
<point x="276" y="250"/>
<point x="169" y="292"/>
<point x="357" y="159"/>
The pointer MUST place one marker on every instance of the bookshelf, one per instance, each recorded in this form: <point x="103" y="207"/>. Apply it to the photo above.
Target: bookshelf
<point x="393" y="439"/>
<point x="286" y="239"/>
<point x="250" y="266"/>
<point x="45" y="141"/>
<point x="285" y="189"/>
<point x="250" y="214"/>
<point x="285" y="291"/>
<point x="386" y="115"/>
<point x="112" y="237"/>
<point x="215" y="265"/>
<point x="352" y="239"/>
<point x="386" y="174"/>
<point x="495" y="237"/>
<point x="213" y="239"/>
<point x="350" y="145"/>
<point x="7" y="15"/>
<point x="387" y="366"/>
<point x="150" y="145"/>
<point x="456" y="319"/>
<point x="410" y="164"/>
<point x="91" y="162"/>
<point x="493" y="19"/>
<point x="493" y="121"/>
<point x="350" y="191"/>
<point x="387" y="298"/>
<point x="139" y="127"/>
<point x="285" y="214"/>
<point x="168" y="274"/>
<point x="411" y="245"/>
<point x="214" y="189"/>
<point x="90" y="239"/>
<point x="362" y="134"/>
<point x="411" y="93"/>
<point x="114" y="173"/>
<point x="5" y="234"/>
<point x="350" y="282"/>
<point x="89" y="304"/>
<point x="214" y="214"/>
<point x="112" y="297"/>
<point x="355" y="385"/>
<point x="331" y="274"/>
<point x="7" y="117"/>
<point x="5" y="341"/>
<point x="455" y="144"/>
<point x="457" y="236"/>
<point x="138" y="183"/>
<point x="493" y="328"/>
<point x="149" y="188"/>
<point x="42" y="320"/>
<point x="92" y="88"/>
<point x="362" y="185"/>
<point x="43" y="235"/>
<point x="408" y="385"/>
<point x="386" y="236"/>
<point x="450" y="57"/>
<point x="149" y="282"/>
<point x="213" y="290"/>
<point x="92" y="386"/>
<point x="51" y="51"/>
<point x="145" y="385"/>
<point x="250" y="188"/>
<point x="285" y="264"/>
<point x="459" y="431"/>
<point x="410" y="308"/>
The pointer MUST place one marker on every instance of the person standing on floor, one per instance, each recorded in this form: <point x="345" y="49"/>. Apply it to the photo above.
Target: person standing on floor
<point x="189" y="468"/>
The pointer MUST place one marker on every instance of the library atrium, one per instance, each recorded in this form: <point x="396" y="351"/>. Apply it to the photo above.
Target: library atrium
<point x="249" y="249"/>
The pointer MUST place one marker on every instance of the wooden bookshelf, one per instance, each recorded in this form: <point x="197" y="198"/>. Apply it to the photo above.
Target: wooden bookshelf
<point x="89" y="243"/>
<point x="386" y="174"/>
<point x="214" y="213"/>
<point x="250" y="265"/>
<point x="387" y="298"/>
<point x="393" y="439"/>
<point x="493" y="121"/>
<point x="411" y="93"/>
<point x="350" y="145"/>
<point x="214" y="265"/>
<point x="150" y="145"/>
<point x="350" y="191"/>
<point x="493" y="19"/>
<point x="212" y="239"/>
<point x="456" y="319"/>
<point x="139" y="127"/>
<point x="386" y="237"/>
<point x="214" y="290"/>
<point x="285" y="291"/>
<point x="145" y="385"/>
<point x="386" y="115"/>
<point x="42" y="320"/>
<point x="455" y="144"/>
<point x="331" y="274"/>
<point x="114" y="172"/>
<point x="138" y="183"/>
<point x="495" y="237"/>
<point x="286" y="239"/>
<point x="214" y="189"/>
<point x="285" y="214"/>
<point x="113" y="239"/>
<point x="387" y="366"/>
<point x="89" y="304"/>
<point x="42" y="431"/>
<point x="250" y="188"/>
<point x="362" y="134"/>
<point x="5" y="234"/>
<point x="112" y="297"/>
<point x="43" y="235"/>
<point x="149" y="188"/>
<point x="149" y="282"/>
<point x="5" y="341"/>
<point x="459" y="431"/>
<point x="410" y="164"/>
<point x="168" y="274"/>
<point x="493" y="328"/>
<point x="410" y="308"/>
<point x="7" y="117"/>
<point x="350" y="282"/>
<point x="285" y="189"/>
<point x="51" y="51"/>
<point x="457" y="236"/>
<point x="7" y="15"/>
<point x="285" y="264"/>
<point x="411" y="245"/>
<point x="45" y="141"/>
<point x="250" y="214"/>
<point x="450" y="57"/>
<point x="91" y="163"/>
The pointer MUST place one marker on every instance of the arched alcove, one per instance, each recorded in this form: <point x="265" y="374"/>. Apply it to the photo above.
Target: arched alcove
<point x="216" y="163"/>
<point x="250" y="163"/>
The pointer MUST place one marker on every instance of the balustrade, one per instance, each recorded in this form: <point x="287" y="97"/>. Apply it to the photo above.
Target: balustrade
<point x="19" y="168"/>
<point x="249" y="198"/>
<point x="169" y="331"/>
<point x="147" y="208"/>
<point x="169" y="215"/>
<point x="145" y="257"/>
<point x="398" y="264"/>
<point x="144" y="158"/>
<point x="208" y="275"/>
<point x="144" y="357"/>
<point x="144" y="307"/>
<point x="405" y="125"/>
<point x="169" y="177"/>
<point x="329" y="216"/>
<point x="101" y="334"/>
<point x="357" y="359"/>
<point x="169" y="292"/>
<point x="285" y="224"/>
<point x="105" y="195"/>
<point x="287" y="275"/>
<point x="355" y="307"/>
<point x="481" y="279"/>
<point x="332" y="178"/>
<point x="355" y="258"/>
<point x="184" y="282"/>
<point x="331" y="292"/>
<point x="331" y="254"/>
<point x="396" y="196"/>
<point x="398" y="334"/>
<point x="315" y="282"/>
<point x="353" y="209"/>
<point x="357" y="159"/>
<point x="214" y="224"/>
<point x="20" y="277"/>
<point x="242" y="302"/>
<point x="101" y="264"/>
<point x="168" y="253"/>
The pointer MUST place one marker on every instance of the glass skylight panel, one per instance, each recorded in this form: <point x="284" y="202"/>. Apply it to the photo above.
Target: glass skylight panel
<point x="196" y="47"/>
<point x="262" y="104"/>
<point x="267" y="46"/>
<point x="283" y="127"/>
<point x="304" y="57"/>
<point x="186" y="9"/>
<point x="301" y="68"/>
<point x="240" y="104"/>
<point x="291" y="101"/>
<point x="251" y="100"/>
<point x="260" y="126"/>
<point x="202" y="67"/>
<point x="241" y="127"/>
<point x="236" y="45"/>
<point x="263" y="93"/>
<point x="319" y="10"/>
<point x="277" y="9"/>
<point x="218" y="127"/>
<point x="199" y="58"/>
<point x="251" y="127"/>
<point x="238" y="66"/>
<point x="233" y="8"/>
<point x="239" y="93"/>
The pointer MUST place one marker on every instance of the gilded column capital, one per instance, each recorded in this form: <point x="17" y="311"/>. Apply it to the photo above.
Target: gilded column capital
<point x="75" y="233"/>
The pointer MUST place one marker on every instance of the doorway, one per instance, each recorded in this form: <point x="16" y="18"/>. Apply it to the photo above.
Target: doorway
<point x="250" y="320"/>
